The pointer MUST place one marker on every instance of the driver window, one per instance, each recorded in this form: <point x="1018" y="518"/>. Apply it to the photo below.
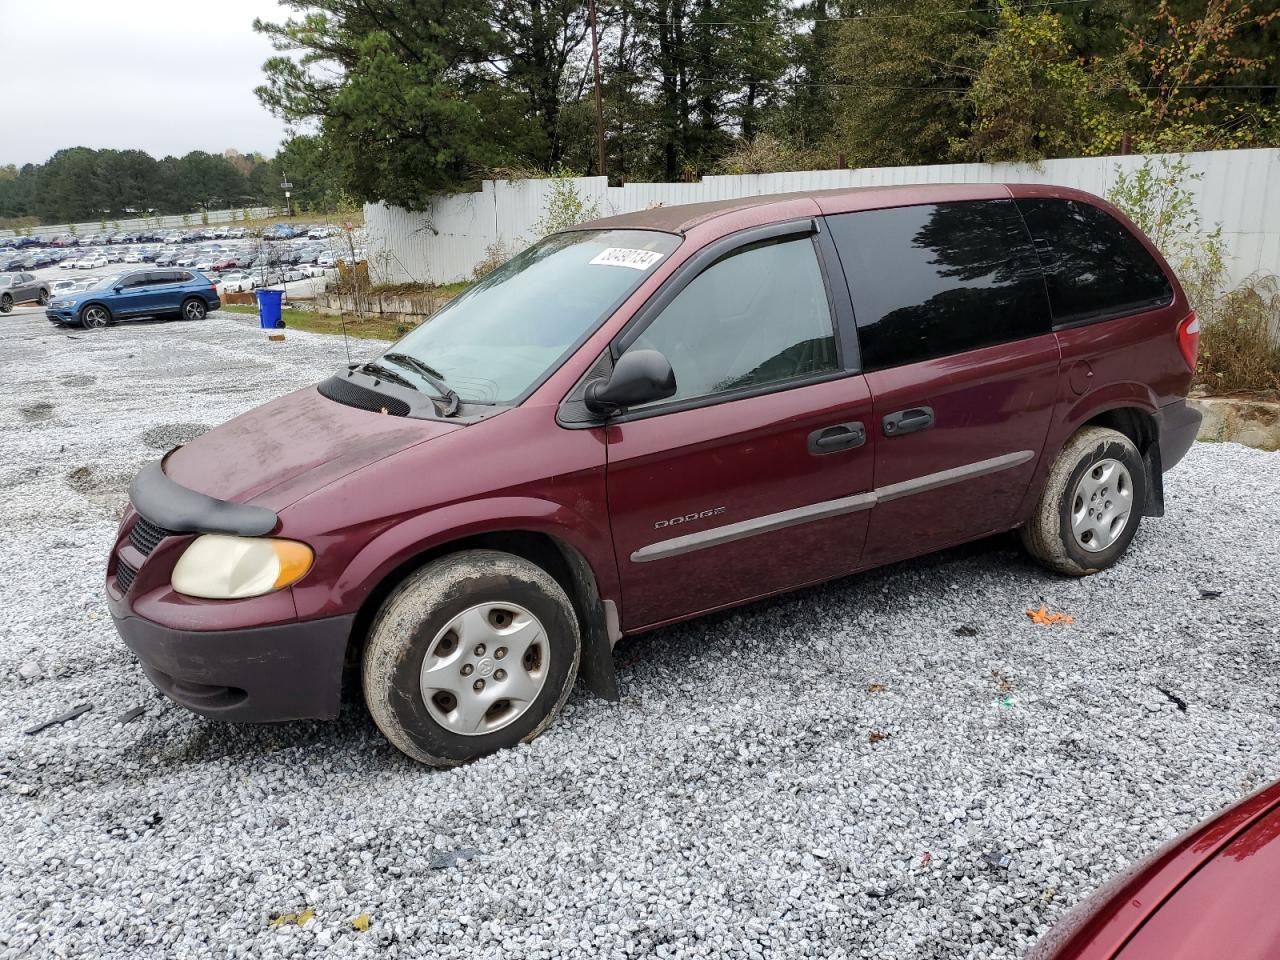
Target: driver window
<point x="758" y="316"/>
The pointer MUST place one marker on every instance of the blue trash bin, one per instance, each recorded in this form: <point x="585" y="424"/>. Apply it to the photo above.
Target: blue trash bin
<point x="269" y="309"/>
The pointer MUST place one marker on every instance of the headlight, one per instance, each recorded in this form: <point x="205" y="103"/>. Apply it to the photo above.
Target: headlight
<point x="60" y="304"/>
<point x="218" y="567"/>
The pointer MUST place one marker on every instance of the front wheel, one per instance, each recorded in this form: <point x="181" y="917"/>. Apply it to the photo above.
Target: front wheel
<point x="43" y="299"/>
<point x="194" y="309"/>
<point x="94" y="317"/>
<point x="1091" y="506"/>
<point x="475" y="652"/>
<point x="6" y="303"/>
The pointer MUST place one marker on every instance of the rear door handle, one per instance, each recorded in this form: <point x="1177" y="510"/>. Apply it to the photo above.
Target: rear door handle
<point x="841" y="436"/>
<point x="907" y="421"/>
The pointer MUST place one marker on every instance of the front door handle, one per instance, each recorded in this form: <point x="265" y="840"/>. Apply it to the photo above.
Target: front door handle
<point x="907" y="421"/>
<point x="841" y="436"/>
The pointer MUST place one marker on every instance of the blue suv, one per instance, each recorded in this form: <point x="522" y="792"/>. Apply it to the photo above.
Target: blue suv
<point x="143" y="293"/>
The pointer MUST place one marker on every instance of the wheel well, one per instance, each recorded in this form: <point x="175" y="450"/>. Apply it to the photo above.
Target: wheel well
<point x="1138" y="425"/>
<point x="564" y="563"/>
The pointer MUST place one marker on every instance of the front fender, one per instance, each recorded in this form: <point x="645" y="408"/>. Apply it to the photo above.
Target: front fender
<point x="400" y="542"/>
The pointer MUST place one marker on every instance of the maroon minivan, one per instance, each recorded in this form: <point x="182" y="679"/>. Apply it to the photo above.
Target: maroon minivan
<point x="653" y="416"/>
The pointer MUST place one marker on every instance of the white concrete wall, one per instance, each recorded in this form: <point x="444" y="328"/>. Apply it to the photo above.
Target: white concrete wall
<point x="1240" y="191"/>
<point x="194" y="221"/>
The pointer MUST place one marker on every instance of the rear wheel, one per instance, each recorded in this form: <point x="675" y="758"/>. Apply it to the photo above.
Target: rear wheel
<point x="94" y="316"/>
<point x="194" y="309"/>
<point x="6" y="303"/>
<point x="1091" y="506"/>
<point x="475" y="652"/>
<point x="43" y="299"/>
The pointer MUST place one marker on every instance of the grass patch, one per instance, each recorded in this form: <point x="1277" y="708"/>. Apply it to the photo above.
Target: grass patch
<point x="419" y="289"/>
<point x="372" y="328"/>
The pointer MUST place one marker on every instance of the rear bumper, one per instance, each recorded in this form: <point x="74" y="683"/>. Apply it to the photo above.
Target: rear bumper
<point x="289" y="671"/>
<point x="1179" y="424"/>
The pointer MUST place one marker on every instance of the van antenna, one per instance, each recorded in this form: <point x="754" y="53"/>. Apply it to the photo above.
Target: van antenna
<point x="342" y="318"/>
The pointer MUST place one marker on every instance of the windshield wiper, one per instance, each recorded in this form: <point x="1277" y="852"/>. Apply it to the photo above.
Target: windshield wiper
<point x="432" y="376"/>
<point x="386" y="373"/>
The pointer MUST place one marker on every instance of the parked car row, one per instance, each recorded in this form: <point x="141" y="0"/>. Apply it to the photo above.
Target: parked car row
<point x="65" y="240"/>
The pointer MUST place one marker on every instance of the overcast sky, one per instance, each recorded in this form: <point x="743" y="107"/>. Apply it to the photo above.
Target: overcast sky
<point x="164" y="76"/>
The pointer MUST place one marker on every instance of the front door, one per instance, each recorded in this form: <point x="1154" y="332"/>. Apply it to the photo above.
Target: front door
<point x="962" y="365"/>
<point x="754" y="477"/>
<point x="134" y="298"/>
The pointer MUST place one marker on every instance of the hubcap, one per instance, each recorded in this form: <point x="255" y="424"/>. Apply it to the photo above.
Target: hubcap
<point x="95" y="317"/>
<point x="485" y="668"/>
<point x="1101" y="505"/>
<point x="193" y="311"/>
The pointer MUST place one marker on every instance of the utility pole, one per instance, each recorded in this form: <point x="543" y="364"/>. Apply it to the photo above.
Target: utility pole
<point x="595" y="59"/>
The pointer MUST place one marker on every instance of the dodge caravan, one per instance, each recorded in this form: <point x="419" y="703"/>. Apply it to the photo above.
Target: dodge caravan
<point x="653" y="416"/>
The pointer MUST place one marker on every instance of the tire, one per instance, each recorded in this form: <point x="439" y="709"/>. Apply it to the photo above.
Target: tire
<point x="426" y="637"/>
<point x="43" y="299"/>
<point x="6" y="303"/>
<point x="1097" y="470"/>
<point x="94" y="316"/>
<point x="193" y="308"/>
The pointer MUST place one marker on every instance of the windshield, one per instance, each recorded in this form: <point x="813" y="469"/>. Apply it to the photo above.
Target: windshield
<point x="105" y="282"/>
<point x="500" y="337"/>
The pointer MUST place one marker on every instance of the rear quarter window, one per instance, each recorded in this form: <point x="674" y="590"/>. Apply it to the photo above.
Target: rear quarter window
<point x="1094" y="267"/>
<point x="938" y="279"/>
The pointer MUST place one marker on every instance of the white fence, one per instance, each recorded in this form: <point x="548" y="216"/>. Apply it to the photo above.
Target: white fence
<point x="1240" y="190"/>
<point x="192" y="220"/>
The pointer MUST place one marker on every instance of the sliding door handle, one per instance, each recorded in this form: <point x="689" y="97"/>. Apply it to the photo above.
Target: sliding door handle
<point x="907" y="421"/>
<point x="841" y="436"/>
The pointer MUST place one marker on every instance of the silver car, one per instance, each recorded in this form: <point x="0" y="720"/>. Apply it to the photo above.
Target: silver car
<point x="21" y="288"/>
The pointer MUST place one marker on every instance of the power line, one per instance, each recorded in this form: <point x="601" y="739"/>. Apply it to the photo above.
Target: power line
<point x="870" y="16"/>
<point x="850" y="85"/>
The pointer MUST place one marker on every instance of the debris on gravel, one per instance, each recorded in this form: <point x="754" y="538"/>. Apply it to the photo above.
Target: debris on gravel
<point x="60" y="718"/>
<point x="733" y="803"/>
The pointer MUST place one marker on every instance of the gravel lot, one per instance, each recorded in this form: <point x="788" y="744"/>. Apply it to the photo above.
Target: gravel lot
<point x="755" y="794"/>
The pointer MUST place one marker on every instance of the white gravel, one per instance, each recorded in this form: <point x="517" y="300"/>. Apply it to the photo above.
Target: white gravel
<point x="735" y="804"/>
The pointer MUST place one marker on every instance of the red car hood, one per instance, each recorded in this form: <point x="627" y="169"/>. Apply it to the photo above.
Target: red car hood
<point x="278" y="453"/>
<point x="1209" y="886"/>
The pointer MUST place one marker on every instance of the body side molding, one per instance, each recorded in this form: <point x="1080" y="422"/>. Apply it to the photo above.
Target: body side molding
<point x="827" y="508"/>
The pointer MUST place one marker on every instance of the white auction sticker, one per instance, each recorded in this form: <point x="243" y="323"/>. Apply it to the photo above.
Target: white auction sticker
<point x="627" y="257"/>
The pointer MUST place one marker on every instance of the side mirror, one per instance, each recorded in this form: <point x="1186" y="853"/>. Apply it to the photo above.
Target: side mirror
<point x="118" y="289"/>
<point x="640" y="376"/>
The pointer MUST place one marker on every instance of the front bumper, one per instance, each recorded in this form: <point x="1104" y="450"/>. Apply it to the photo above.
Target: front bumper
<point x="61" y="315"/>
<point x="290" y="671"/>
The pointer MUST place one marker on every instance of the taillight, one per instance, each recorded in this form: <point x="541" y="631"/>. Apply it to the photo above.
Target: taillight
<point x="1189" y="340"/>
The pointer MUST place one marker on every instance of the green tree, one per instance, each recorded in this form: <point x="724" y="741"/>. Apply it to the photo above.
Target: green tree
<point x="1178" y="72"/>
<point x="1030" y="99"/>
<point x="905" y="68"/>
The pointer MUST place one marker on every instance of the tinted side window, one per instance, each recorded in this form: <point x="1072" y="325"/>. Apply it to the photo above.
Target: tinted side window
<point x="1093" y="265"/>
<point x="938" y="279"/>
<point x="759" y="316"/>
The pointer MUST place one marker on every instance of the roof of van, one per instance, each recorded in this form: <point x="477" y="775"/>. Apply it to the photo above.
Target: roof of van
<point x="680" y="218"/>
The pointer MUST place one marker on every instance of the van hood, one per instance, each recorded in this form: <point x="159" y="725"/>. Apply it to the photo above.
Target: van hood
<point x="278" y="453"/>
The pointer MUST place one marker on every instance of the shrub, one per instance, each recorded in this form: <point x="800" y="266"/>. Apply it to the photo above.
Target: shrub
<point x="1240" y="327"/>
<point x="564" y="206"/>
<point x="495" y="255"/>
